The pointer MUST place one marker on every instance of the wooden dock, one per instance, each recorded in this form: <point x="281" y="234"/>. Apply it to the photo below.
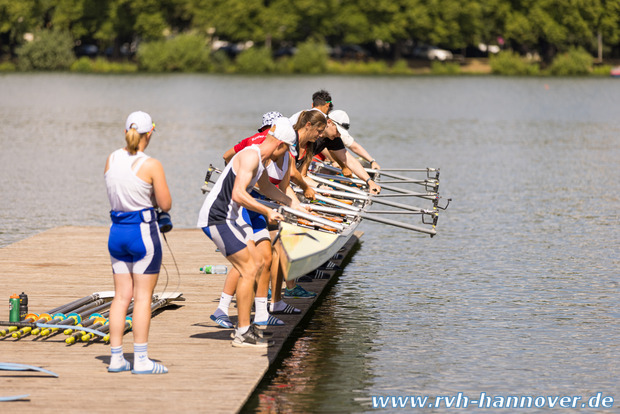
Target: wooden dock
<point x="206" y="374"/>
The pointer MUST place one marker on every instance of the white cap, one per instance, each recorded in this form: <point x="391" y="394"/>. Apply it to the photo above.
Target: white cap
<point x="341" y="119"/>
<point x="282" y="130"/>
<point x="140" y="121"/>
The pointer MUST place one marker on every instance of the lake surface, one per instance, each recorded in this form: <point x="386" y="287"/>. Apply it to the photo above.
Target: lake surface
<point x="518" y="294"/>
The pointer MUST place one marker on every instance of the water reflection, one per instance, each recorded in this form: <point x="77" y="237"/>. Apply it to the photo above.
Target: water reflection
<point x="332" y="355"/>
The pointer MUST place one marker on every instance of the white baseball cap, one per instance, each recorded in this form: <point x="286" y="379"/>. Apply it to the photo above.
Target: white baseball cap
<point x="282" y="130"/>
<point x="140" y="121"/>
<point x="341" y="119"/>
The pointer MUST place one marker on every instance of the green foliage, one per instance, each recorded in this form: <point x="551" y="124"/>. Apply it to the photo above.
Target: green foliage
<point x="400" y="67"/>
<point x="510" y="63"/>
<point x="221" y="63"/>
<point x="255" y="60"/>
<point x="574" y="62"/>
<point x="445" y="68"/>
<point x="602" y="70"/>
<point x="101" y="65"/>
<point x="7" y="67"/>
<point x="50" y="50"/>
<point x="369" y="68"/>
<point x="183" y="53"/>
<point x="311" y="57"/>
<point x="284" y="65"/>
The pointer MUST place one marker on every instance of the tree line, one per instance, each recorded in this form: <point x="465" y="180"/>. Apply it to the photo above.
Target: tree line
<point x="390" y="27"/>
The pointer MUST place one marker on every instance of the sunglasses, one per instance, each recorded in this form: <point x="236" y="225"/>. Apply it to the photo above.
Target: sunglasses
<point x="345" y="126"/>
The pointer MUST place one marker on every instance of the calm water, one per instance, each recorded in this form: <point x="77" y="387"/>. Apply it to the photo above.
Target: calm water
<point x="517" y="295"/>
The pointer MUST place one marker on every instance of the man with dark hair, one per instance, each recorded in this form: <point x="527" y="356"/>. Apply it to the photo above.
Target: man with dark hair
<point x="322" y="101"/>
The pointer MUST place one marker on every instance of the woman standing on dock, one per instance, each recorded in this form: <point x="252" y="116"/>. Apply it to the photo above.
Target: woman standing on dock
<point x="136" y="184"/>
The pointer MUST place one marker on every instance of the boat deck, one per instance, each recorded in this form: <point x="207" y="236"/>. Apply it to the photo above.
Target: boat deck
<point x="206" y="374"/>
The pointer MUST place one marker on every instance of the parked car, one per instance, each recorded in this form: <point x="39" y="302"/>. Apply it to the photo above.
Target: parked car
<point x="432" y="53"/>
<point x="349" y="52"/>
<point x="285" y="51"/>
<point x="86" y="50"/>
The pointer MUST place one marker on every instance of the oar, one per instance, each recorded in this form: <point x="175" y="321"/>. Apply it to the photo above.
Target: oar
<point x="98" y="324"/>
<point x="337" y="185"/>
<point x="310" y="217"/>
<point x="43" y="325"/>
<point x="60" y="318"/>
<point x="64" y="308"/>
<point x="371" y="217"/>
<point x="389" y="172"/>
<point x="75" y="317"/>
<point x="374" y="199"/>
<point x="429" y="195"/>
<point x="358" y="181"/>
<point x="425" y="170"/>
<point x="405" y="169"/>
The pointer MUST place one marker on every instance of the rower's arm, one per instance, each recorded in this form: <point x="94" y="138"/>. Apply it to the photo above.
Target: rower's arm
<point x="341" y="158"/>
<point x="359" y="170"/>
<point x="357" y="148"/>
<point x="269" y="190"/>
<point x="298" y="179"/>
<point x="228" y="155"/>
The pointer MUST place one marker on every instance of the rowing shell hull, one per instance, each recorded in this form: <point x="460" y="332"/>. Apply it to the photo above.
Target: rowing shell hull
<point x="302" y="249"/>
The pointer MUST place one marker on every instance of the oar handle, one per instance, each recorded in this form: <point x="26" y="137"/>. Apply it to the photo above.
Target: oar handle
<point x="312" y="218"/>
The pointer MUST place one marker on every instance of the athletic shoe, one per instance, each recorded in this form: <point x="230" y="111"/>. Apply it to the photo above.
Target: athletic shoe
<point x="261" y="333"/>
<point x="298" y="293"/>
<point x="250" y="339"/>
<point x="305" y="278"/>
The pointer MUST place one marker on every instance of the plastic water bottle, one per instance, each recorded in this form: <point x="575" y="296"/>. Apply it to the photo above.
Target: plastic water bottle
<point x="14" y="308"/>
<point x="214" y="270"/>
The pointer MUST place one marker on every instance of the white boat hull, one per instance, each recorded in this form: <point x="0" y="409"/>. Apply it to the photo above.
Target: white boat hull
<point x="302" y="250"/>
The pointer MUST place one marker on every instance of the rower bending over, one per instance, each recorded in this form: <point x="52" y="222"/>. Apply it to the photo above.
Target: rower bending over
<point x="222" y="221"/>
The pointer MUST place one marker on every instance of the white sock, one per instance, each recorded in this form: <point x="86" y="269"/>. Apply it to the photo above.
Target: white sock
<point x="260" y="313"/>
<point x="141" y="361"/>
<point x="117" y="359"/>
<point x="242" y="330"/>
<point x="224" y="305"/>
<point x="278" y="306"/>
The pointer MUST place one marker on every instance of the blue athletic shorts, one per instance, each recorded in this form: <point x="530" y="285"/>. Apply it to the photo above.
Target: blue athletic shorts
<point x="134" y="242"/>
<point x="258" y="223"/>
<point x="230" y="236"/>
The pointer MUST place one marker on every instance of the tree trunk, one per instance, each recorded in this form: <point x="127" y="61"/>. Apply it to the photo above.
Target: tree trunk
<point x="599" y="40"/>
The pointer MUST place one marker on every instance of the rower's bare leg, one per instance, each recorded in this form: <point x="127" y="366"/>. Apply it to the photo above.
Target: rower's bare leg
<point x="262" y="317"/>
<point x="249" y="263"/>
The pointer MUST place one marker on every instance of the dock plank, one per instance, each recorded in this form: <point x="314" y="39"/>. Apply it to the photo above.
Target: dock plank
<point x="206" y="374"/>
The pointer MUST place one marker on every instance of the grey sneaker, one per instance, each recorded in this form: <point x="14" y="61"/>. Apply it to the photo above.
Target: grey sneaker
<point x="261" y="333"/>
<point x="250" y="339"/>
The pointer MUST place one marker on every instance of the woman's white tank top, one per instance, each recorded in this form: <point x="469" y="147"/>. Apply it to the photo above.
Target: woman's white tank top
<point x="126" y="191"/>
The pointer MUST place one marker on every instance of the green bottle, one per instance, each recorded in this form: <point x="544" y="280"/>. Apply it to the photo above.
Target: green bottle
<point x="14" y="308"/>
